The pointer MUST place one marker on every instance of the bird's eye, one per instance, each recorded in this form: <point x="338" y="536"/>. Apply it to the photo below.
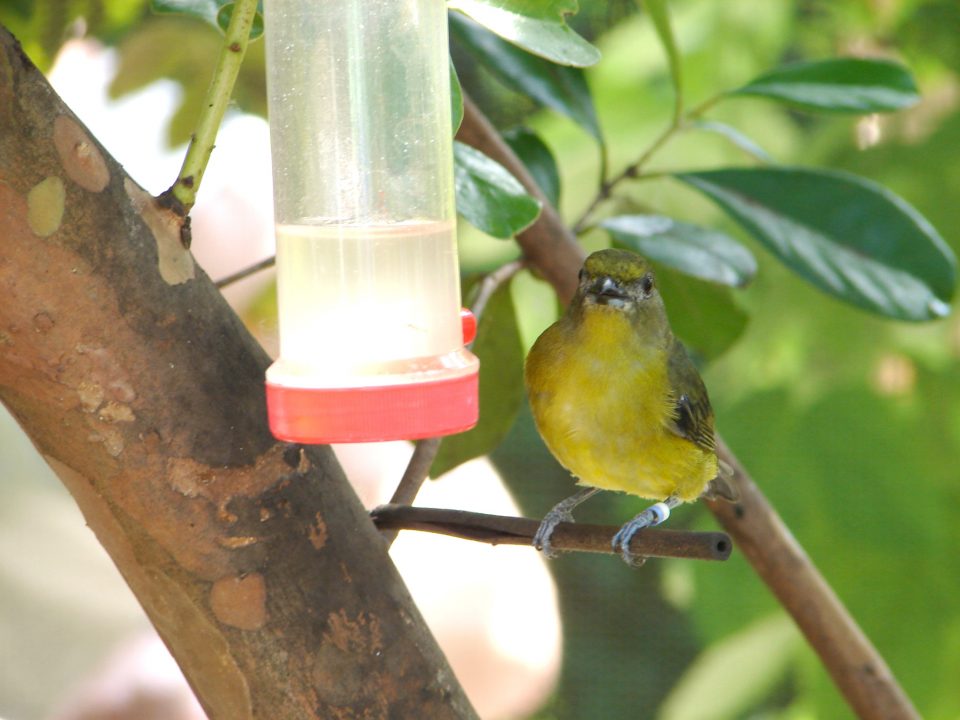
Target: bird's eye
<point x="583" y="274"/>
<point x="646" y="284"/>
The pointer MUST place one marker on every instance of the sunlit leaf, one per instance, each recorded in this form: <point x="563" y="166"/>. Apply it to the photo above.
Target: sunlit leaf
<point x="563" y="89"/>
<point x="538" y="159"/>
<point x="847" y="235"/>
<point x="710" y="690"/>
<point x="701" y="252"/>
<point x="537" y="26"/>
<point x="488" y="196"/>
<point x="842" y="85"/>
<point x="500" y="351"/>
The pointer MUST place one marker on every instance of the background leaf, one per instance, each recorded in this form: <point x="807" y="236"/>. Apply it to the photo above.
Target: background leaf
<point x="660" y="15"/>
<point x="842" y="85"/>
<point x="488" y="196"/>
<point x="538" y="159"/>
<point x="203" y="9"/>
<point x="559" y="88"/>
<point x="704" y="315"/>
<point x="847" y="235"/>
<point x="538" y="26"/>
<point x="456" y="99"/>
<point x="701" y="252"/>
<point x="500" y="351"/>
<point x="225" y="14"/>
<point x="735" y="136"/>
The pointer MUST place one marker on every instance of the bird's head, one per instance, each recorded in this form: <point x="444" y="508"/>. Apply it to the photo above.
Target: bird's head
<point x="618" y="279"/>
<point x="615" y="280"/>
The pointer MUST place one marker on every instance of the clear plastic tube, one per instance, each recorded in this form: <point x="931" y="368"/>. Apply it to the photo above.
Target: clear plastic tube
<point x="368" y="282"/>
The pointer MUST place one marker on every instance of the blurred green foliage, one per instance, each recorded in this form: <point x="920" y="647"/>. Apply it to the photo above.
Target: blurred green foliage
<point x="849" y="422"/>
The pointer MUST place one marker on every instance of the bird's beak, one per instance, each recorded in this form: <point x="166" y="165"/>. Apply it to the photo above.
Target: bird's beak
<point x="606" y="291"/>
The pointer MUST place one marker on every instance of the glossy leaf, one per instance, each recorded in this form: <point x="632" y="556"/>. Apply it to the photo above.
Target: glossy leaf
<point x="488" y="196"/>
<point x="537" y="26"/>
<point x="842" y="85"/>
<point x="736" y="137"/>
<point x="847" y="235"/>
<point x="701" y="252"/>
<point x="559" y="88"/>
<point x="456" y="99"/>
<point x="500" y="351"/>
<point x="538" y="159"/>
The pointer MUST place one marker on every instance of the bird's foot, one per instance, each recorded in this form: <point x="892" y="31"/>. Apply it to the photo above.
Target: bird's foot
<point x="653" y="515"/>
<point x="541" y="539"/>
<point x="561" y="512"/>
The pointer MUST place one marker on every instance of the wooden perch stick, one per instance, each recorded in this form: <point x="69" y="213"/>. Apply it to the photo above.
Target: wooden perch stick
<point x="504" y="530"/>
<point x="859" y="671"/>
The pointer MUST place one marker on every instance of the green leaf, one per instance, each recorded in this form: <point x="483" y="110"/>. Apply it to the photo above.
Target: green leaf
<point x="843" y="85"/>
<point x="701" y="252"/>
<point x="203" y="9"/>
<point x="704" y="315"/>
<point x="215" y="12"/>
<point x="848" y="236"/>
<point x="456" y="99"/>
<point x="500" y="351"/>
<point x="537" y="26"/>
<point x="743" y="142"/>
<point x="225" y="14"/>
<point x="488" y="196"/>
<point x="660" y="15"/>
<point x="535" y="154"/>
<point x="762" y="654"/>
<point x="563" y="89"/>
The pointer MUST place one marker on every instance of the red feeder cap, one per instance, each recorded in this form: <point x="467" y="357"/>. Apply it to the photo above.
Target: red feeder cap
<point x="406" y="411"/>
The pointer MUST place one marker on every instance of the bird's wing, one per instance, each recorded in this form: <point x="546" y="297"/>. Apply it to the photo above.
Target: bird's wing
<point x="693" y="416"/>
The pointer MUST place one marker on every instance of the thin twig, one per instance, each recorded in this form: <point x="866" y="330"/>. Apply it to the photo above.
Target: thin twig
<point x="426" y="450"/>
<point x="858" y="670"/>
<point x="215" y="104"/>
<point x="505" y="530"/>
<point x="635" y="170"/>
<point x="491" y="282"/>
<point x="246" y="272"/>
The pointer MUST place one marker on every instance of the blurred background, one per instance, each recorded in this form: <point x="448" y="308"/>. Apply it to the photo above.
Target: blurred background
<point x="849" y="423"/>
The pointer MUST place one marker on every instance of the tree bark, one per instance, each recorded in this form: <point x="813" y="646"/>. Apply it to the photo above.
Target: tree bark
<point x="144" y="392"/>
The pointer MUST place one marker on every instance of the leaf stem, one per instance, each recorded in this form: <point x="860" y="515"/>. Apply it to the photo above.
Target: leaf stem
<point x="634" y="171"/>
<point x="184" y="189"/>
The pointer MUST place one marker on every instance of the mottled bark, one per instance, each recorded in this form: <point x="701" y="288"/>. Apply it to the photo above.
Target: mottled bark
<point x="144" y="392"/>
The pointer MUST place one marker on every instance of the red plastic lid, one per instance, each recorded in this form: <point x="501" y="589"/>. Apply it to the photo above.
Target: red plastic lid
<point x="405" y="411"/>
<point x="369" y="414"/>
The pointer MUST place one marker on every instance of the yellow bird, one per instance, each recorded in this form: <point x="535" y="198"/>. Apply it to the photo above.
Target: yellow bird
<point x="618" y="401"/>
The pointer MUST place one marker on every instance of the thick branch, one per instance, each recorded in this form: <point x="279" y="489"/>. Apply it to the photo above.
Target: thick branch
<point x="505" y="530"/>
<point x="547" y="244"/>
<point x="858" y="670"/>
<point x="254" y="559"/>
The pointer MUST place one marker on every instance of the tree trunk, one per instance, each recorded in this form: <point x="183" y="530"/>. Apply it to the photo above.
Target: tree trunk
<point x="144" y="392"/>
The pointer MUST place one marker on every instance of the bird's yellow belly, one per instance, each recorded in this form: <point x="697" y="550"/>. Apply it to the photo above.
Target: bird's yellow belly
<point x="606" y="417"/>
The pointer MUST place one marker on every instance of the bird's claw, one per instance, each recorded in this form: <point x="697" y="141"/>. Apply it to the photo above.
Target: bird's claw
<point x="541" y="539"/>
<point x="653" y="515"/>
